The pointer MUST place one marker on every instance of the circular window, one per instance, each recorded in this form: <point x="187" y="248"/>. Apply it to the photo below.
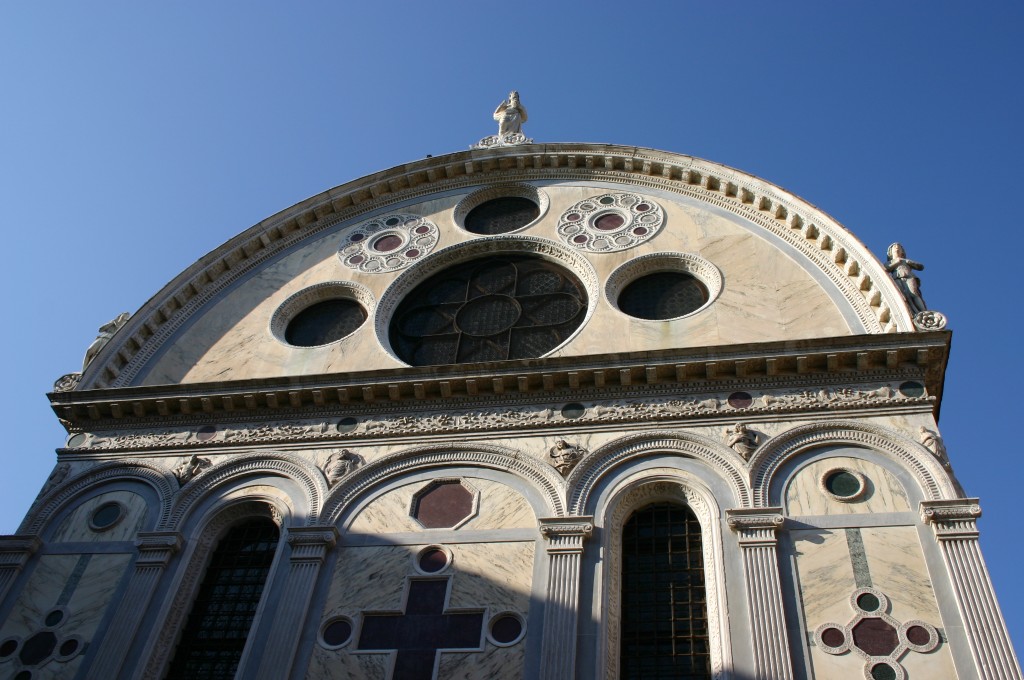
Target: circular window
<point x="433" y="560"/>
<point x="325" y="322"/>
<point x="844" y="485"/>
<point x="346" y="425"/>
<point x="573" y="410"/>
<point x="883" y="671"/>
<point x="103" y="518"/>
<point x="56" y="616"/>
<point x="506" y="629"/>
<point x="501" y="209"/>
<point x="662" y="296"/>
<point x="506" y="307"/>
<point x="321" y="314"/>
<point x="663" y="286"/>
<point x="868" y="602"/>
<point x="502" y="215"/>
<point x="336" y="632"/>
<point x="23" y="675"/>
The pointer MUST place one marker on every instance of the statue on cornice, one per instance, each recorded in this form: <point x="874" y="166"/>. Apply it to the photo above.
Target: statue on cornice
<point x="106" y="332"/>
<point x="510" y="115"/>
<point x="902" y="271"/>
<point x="933" y="442"/>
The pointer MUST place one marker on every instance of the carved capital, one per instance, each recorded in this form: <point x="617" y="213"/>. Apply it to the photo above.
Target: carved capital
<point x="952" y="518"/>
<point x="310" y="544"/>
<point x="15" y="550"/>
<point x="156" y="547"/>
<point x="755" y="526"/>
<point x="566" y="534"/>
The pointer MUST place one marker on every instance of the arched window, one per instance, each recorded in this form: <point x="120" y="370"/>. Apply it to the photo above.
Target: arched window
<point x="214" y="637"/>
<point x="664" y="624"/>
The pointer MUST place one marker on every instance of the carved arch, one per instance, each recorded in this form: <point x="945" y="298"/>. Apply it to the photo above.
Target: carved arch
<point x="161" y="481"/>
<point x="276" y="464"/>
<point x="543" y="477"/>
<point x="593" y="468"/>
<point x="918" y="460"/>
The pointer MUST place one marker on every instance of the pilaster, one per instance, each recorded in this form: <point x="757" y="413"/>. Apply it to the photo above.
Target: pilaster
<point x="565" y="536"/>
<point x="309" y="548"/>
<point x="757" y="532"/>
<point x="155" y="550"/>
<point x="15" y="552"/>
<point x="955" y="525"/>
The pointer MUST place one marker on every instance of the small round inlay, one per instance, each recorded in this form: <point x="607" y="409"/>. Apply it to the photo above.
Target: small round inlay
<point x="106" y="516"/>
<point x="883" y="671"/>
<point x="68" y="647"/>
<point x="918" y="635"/>
<point x="337" y="633"/>
<point x="392" y="222"/>
<point x="843" y="484"/>
<point x="356" y="238"/>
<point x="912" y="389"/>
<point x="506" y="629"/>
<point x="422" y="229"/>
<point x="53" y="618"/>
<point x="573" y="410"/>
<point x="609" y="222"/>
<point x="7" y="648"/>
<point x="740" y="400"/>
<point x="387" y="243"/>
<point x="868" y="602"/>
<point x="206" y="433"/>
<point x="573" y="217"/>
<point x="579" y="239"/>
<point x="346" y="425"/>
<point x="433" y="560"/>
<point x="640" y="231"/>
<point x="606" y="200"/>
<point x="76" y="441"/>
<point x="643" y="207"/>
<point x="833" y="637"/>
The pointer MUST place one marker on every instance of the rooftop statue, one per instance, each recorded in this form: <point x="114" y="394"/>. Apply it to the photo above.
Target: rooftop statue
<point x="510" y="114"/>
<point x="105" y="333"/>
<point x="902" y="271"/>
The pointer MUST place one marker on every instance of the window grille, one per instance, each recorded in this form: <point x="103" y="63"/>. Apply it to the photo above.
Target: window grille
<point x="664" y="611"/>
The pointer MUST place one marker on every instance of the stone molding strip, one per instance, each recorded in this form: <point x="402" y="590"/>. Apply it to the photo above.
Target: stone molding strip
<point x="855" y="271"/>
<point x="818" y="361"/>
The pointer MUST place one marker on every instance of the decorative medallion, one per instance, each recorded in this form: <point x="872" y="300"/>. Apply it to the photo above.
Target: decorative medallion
<point x="930" y="320"/>
<point x="876" y="637"/>
<point x="388" y="243"/>
<point x="611" y="222"/>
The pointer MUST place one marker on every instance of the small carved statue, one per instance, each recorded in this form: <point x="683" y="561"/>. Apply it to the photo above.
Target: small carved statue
<point x="59" y="474"/>
<point x="106" y="332"/>
<point x="564" y="456"/>
<point x="741" y="440"/>
<point x="339" y="465"/>
<point x="190" y="468"/>
<point x="511" y="115"/>
<point x="933" y="442"/>
<point x="902" y="271"/>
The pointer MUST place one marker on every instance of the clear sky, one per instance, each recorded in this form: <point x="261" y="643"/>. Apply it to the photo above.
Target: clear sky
<point x="135" y="137"/>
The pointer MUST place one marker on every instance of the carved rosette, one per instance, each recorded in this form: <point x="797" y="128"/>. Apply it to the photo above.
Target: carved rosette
<point x="67" y="382"/>
<point x="494" y="141"/>
<point x="388" y="243"/>
<point x="929" y="320"/>
<point x="610" y="222"/>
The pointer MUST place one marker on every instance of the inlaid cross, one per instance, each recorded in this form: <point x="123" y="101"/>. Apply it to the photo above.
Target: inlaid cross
<point x="422" y="631"/>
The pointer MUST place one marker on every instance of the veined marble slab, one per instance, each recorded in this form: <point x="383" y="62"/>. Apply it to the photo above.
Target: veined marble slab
<point x="804" y="495"/>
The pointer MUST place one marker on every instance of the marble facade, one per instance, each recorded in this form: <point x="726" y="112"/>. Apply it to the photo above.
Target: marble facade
<point x="804" y="339"/>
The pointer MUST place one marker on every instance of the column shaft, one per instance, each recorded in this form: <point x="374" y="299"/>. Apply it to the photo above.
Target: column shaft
<point x="955" y="526"/>
<point x="561" y="608"/>
<point x="756" y="529"/>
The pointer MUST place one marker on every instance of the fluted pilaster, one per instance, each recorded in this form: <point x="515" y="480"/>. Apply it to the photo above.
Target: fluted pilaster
<point x="15" y="552"/>
<point x="565" y="536"/>
<point x="309" y="547"/>
<point x="155" y="549"/>
<point x="955" y="526"/>
<point x="757" y="529"/>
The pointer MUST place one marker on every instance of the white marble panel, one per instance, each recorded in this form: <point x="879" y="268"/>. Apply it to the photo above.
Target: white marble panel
<point x="76" y="526"/>
<point x="898" y="569"/>
<point x="825" y="575"/>
<point x="494" y="663"/>
<point x="495" y="575"/>
<point x="341" y="664"/>
<point x="804" y="495"/>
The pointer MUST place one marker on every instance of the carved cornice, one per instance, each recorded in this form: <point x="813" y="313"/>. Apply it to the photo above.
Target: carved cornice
<point x="853" y="269"/>
<point x="310" y="544"/>
<point x="755" y="526"/>
<point x="952" y="519"/>
<point x="700" y="373"/>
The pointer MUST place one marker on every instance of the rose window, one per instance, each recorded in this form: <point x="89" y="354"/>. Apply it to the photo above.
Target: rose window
<point x="508" y="307"/>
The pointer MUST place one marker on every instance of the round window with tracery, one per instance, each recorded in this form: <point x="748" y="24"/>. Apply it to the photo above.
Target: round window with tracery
<point x="507" y="307"/>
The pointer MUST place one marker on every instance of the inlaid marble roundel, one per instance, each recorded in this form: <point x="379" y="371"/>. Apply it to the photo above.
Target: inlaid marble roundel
<point x="388" y="243"/>
<point x="610" y="222"/>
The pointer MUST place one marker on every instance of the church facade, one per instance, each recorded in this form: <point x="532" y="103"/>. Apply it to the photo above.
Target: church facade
<point x="524" y="411"/>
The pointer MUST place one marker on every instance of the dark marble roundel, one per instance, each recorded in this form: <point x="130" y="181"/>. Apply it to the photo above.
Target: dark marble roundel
<point x="740" y="400"/>
<point x="912" y="389"/>
<point x="8" y="647"/>
<point x="506" y="629"/>
<point x="337" y="632"/>
<point x="346" y="425"/>
<point x="433" y="560"/>
<point x="833" y="637"/>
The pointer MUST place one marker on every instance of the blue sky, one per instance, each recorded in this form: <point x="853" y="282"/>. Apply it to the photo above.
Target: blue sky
<point x="136" y="137"/>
